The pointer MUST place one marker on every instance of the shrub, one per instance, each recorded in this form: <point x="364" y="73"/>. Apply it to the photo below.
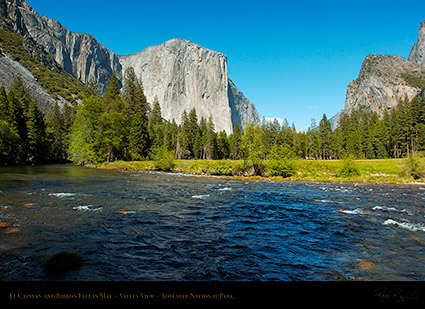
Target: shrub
<point x="239" y="168"/>
<point x="349" y="168"/>
<point x="413" y="166"/>
<point x="163" y="159"/>
<point x="223" y="167"/>
<point x="284" y="168"/>
<point x="281" y="162"/>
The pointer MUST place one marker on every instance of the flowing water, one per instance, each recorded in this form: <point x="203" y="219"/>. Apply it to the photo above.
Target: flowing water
<point x="155" y="226"/>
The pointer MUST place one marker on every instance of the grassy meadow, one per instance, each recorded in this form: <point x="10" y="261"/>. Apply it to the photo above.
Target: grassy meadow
<point x="374" y="171"/>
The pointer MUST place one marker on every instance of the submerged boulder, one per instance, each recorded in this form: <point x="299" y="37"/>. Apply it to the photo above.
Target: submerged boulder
<point x="63" y="262"/>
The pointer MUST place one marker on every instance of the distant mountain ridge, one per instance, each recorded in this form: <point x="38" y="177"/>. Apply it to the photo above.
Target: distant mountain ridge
<point x="199" y="78"/>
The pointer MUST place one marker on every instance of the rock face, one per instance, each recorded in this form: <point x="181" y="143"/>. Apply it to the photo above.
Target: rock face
<point x="79" y="54"/>
<point x="417" y="54"/>
<point x="184" y="75"/>
<point x="181" y="74"/>
<point x="243" y="110"/>
<point x="385" y="80"/>
<point x="9" y="69"/>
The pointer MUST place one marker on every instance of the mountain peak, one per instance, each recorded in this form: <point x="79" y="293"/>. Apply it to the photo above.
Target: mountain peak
<point x="19" y="3"/>
<point x="418" y="51"/>
<point x="385" y="80"/>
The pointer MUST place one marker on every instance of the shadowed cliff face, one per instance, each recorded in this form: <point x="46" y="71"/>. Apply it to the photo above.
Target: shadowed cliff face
<point x="181" y="74"/>
<point x="243" y="110"/>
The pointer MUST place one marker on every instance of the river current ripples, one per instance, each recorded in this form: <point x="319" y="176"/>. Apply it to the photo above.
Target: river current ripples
<point x="155" y="226"/>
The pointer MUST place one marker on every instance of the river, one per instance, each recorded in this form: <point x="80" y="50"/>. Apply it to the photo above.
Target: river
<point x="155" y="226"/>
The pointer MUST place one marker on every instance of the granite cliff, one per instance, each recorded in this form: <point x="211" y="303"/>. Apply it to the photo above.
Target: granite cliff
<point x="79" y="54"/>
<point x="184" y="75"/>
<point x="417" y="54"/>
<point x="181" y="74"/>
<point x="385" y="80"/>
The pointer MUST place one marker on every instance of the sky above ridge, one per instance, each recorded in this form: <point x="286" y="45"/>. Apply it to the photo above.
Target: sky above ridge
<point x="292" y="59"/>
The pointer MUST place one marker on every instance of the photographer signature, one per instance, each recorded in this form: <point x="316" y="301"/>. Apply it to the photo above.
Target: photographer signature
<point x="383" y="294"/>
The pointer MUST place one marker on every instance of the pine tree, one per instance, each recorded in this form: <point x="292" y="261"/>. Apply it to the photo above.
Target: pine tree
<point x="252" y="148"/>
<point x="69" y="114"/>
<point x="37" y="144"/>
<point x="188" y="134"/>
<point x="203" y="132"/>
<point x="223" y="147"/>
<point x="210" y="141"/>
<point x="111" y="99"/>
<point x="156" y="125"/>
<point x="182" y="145"/>
<point x="19" y="100"/>
<point x="19" y="92"/>
<point x="137" y="114"/>
<point x="8" y="141"/>
<point x="139" y="140"/>
<point x="86" y="134"/>
<point x="171" y="134"/>
<point x="4" y="105"/>
<point x="56" y="135"/>
<point x="236" y="142"/>
<point x="192" y="131"/>
<point x="325" y="132"/>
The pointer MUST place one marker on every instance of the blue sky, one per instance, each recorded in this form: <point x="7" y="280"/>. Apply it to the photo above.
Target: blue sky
<point x="293" y="60"/>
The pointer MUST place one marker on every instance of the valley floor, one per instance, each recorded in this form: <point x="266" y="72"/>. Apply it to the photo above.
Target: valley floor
<point x="371" y="171"/>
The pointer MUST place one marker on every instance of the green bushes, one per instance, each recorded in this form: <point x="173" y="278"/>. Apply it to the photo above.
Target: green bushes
<point x="413" y="166"/>
<point x="222" y="167"/>
<point x="349" y="168"/>
<point x="164" y="159"/>
<point x="282" y="162"/>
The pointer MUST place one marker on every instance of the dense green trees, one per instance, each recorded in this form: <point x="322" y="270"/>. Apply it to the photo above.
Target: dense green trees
<point x="113" y="126"/>
<point x="399" y="133"/>
<point x="24" y="137"/>
<point x="122" y="125"/>
<point x="360" y="134"/>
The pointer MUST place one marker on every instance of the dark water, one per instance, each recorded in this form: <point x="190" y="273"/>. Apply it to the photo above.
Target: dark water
<point x="152" y="226"/>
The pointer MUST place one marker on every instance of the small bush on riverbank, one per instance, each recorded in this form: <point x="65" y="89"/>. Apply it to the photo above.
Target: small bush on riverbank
<point x="163" y="159"/>
<point x="413" y="166"/>
<point x="281" y="162"/>
<point x="349" y="168"/>
<point x="223" y="167"/>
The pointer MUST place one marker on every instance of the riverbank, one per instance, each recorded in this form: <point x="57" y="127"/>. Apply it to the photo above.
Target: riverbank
<point x="370" y="171"/>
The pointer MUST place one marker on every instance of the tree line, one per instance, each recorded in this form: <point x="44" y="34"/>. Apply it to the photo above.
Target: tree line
<point x="122" y="125"/>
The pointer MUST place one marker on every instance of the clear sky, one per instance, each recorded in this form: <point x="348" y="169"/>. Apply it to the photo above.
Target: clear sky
<point x="292" y="59"/>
